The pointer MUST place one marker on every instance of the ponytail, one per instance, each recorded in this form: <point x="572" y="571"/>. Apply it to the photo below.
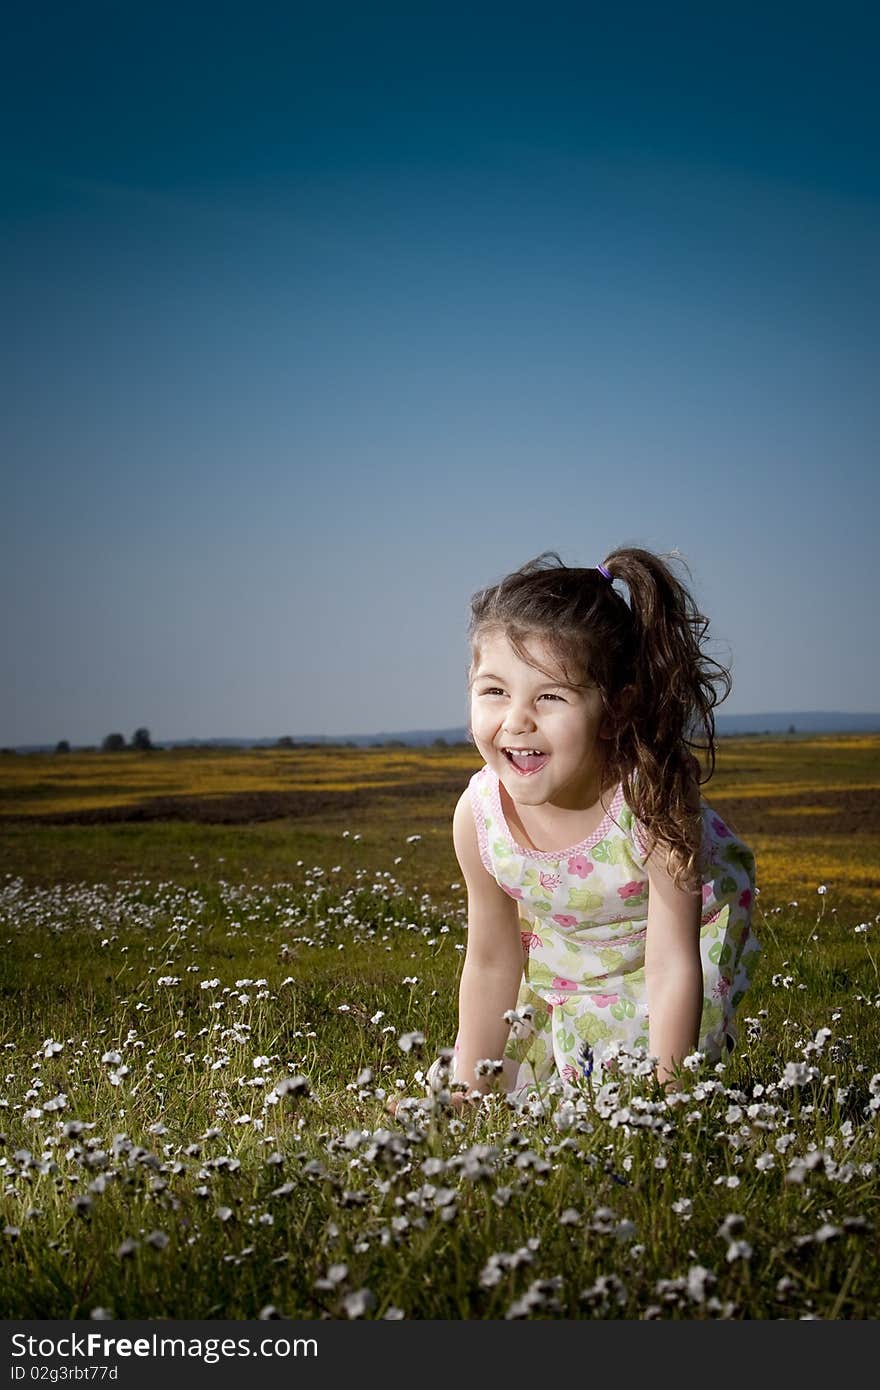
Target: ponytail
<point x="664" y="732"/>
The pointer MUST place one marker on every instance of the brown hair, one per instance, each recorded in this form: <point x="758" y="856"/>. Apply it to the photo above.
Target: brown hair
<point x="645" y="657"/>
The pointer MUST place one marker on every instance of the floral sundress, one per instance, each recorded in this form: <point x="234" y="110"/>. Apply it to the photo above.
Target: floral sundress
<point x="583" y="922"/>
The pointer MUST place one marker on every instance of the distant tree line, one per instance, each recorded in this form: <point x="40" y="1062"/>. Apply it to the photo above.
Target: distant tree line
<point x="286" y="741"/>
<point x="115" y="743"/>
<point x="141" y="742"/>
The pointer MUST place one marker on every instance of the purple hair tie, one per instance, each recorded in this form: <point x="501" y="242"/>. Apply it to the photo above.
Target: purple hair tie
<point x="603" y="570"/>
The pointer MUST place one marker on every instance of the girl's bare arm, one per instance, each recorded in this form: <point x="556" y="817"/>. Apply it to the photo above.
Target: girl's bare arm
<point x="673" y="968"/>
<point x="493" y="963"/>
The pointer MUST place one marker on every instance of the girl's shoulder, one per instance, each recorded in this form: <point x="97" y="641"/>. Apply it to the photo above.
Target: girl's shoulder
<point x="482" y="792"/>
<point x="714" y="826"/>
<point x="479" y="793"/>
<point x="483" y="777"/>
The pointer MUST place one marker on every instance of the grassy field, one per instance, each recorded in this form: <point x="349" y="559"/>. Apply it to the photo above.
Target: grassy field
<point x="217" y="968"/>
<point x="808" y="806"/>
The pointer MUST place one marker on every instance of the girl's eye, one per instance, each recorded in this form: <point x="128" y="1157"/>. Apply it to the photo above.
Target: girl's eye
<point x="496" y="690"/>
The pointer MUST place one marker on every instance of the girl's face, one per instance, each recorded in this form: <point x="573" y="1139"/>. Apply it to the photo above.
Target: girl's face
<point x="540" y="735"/>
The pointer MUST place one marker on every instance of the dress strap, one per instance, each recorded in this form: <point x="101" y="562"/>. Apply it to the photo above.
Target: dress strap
<point x="478" y="788"/>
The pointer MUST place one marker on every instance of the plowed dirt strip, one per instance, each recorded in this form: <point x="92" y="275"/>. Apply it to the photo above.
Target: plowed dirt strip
<point x="834" y="814"/>
<point x="247" y="808"/>
<point x="828" y="812"/>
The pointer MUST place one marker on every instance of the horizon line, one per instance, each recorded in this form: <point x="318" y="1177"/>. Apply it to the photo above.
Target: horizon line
<point x="791" y="716"/>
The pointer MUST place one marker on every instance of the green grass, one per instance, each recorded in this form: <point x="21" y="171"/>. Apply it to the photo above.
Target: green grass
<point x="419" y="1211"/>
<point x="180" y="1192"/>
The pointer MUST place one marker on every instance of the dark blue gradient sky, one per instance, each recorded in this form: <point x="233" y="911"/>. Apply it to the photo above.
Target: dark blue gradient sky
<point x="317" y="322"/>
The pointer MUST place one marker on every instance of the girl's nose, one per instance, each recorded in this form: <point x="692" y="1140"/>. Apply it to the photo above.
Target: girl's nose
<point x="518" y="721"/>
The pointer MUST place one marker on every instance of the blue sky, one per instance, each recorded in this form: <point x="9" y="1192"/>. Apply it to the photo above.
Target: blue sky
<point x="318" y="322"/>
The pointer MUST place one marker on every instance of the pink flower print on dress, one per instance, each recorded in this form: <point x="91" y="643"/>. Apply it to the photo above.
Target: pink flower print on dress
<point x="570" y="1073"/>
<point x="579" y="864"/>
<point x="707" y="892"/>
<point x="602" y="1001"/>
<point x="559" y="982"/>
<point x="530" y="942"/>
<point x="722" y="989"/>
<point x="550" y="881"/>
<point x="720" y="828"/>
<point x="745" y="898"/>
<point x="559" y="999"/>
<point x="564" y="919"/>
<point x="632" y="889"/>
<point x="512" y="892"/>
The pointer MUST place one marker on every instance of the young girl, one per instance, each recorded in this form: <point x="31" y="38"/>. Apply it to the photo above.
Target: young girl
<point x="605" y="898"/>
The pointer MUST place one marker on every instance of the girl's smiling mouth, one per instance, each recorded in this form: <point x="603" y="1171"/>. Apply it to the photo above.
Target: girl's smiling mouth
<point x="526" y="761"/>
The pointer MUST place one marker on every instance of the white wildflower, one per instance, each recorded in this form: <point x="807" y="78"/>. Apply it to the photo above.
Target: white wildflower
<point x="694" y="1061"/>
<point x="361" y="1302"/>
<point x="699" y="1280"/>
<point x="521" y="1024"/>
<point x="796" y="1074"/>
<point x="739" y="1250"/>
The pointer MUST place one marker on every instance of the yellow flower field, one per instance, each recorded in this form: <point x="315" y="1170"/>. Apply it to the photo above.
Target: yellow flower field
<point x="36" y="784"/>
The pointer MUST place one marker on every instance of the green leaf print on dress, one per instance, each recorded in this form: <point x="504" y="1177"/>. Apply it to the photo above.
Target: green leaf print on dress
<point x="712" y="1017"/>
<point x="608" y="852"/>
<point x="611" y="960"/>
<point x="721" y="953"/>
<point x="583" y="900"/>
<point x="540" y="906"/>
<point x="539" y="974"/>
<point x="565" y="1008"/>
<point x="624" y="1008"/>
<point x="532" y="1050"/>
<point x="592" y="1029"/>
<point x="739" y="856"/>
